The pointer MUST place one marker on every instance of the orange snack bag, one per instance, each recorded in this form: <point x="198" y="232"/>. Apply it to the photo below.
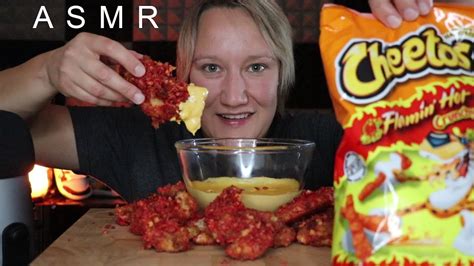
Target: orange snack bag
<point x="404" y="172"/>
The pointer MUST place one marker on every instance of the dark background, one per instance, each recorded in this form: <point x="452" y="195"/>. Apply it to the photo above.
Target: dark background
<point x="19" y="41"/>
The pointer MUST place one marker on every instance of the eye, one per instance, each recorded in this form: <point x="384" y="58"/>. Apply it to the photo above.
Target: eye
<point x="257" y="68"/>
<point x="211" y="68"/>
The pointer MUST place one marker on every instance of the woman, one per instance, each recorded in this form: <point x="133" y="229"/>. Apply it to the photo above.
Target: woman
<point x="240" y="50"/>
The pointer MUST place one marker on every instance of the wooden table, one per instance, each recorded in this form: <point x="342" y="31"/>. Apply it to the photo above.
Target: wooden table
<point x="95" y="239"/>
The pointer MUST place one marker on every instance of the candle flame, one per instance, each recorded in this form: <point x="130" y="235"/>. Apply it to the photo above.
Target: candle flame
<point x="39" y="181"/>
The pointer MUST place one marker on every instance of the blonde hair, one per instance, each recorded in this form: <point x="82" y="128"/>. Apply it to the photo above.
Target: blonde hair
<point x="272" y="23"/>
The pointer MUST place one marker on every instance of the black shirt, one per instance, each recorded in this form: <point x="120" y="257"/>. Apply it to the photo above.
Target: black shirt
<point x="359" y="5"/>
<point x="119" y="147"/>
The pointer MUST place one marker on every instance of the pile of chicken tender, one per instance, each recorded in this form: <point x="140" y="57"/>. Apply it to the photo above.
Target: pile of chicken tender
<point x="170" y="220"/>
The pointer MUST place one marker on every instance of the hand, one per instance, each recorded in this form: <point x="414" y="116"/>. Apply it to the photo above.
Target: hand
<point x="392" y="12"/>
<point x="80" y="69"/>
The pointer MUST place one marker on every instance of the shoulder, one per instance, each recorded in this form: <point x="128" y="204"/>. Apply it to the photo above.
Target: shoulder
<point x="308" y="118"/>
<point x="122" y="118"/>
<point x="107" y="115"/>
<point x="306" y="124"/>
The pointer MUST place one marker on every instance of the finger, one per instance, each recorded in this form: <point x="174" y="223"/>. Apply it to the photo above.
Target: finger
<point x="120" y="54"/>
<point x="136" y="54"/>
<point x="95" y="88"/>
<point x="109" y="78"/>
<point x="85" y="96"/>
<point x="425" y="6"/>
<point x="110" y="61"/>
<point x="408" y="9"/>
<point x="384" y="11"/>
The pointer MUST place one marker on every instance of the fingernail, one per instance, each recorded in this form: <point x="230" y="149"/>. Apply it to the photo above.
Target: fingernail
<point x="138" y="98"/>
<point x="139" y="71"/>
<point x="394" y="21"/>
<point x="410" y="14"/>
<point x="424" y="8"/>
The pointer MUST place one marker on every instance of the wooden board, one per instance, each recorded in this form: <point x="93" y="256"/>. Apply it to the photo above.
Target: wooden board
<point x="95" y="239"/>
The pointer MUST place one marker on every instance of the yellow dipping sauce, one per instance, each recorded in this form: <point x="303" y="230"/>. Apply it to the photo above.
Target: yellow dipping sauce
<point x="260" y="193"/>
<point x="190" y="111"/>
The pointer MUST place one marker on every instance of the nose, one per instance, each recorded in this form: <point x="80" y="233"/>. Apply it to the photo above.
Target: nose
<point x="234" y="92"/>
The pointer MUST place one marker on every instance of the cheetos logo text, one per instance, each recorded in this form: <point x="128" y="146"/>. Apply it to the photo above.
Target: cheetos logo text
<point x="369" y="69"/>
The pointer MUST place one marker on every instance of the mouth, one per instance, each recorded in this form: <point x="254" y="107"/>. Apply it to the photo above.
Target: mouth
<point x="235" y="120"/>
<point x="239" y="116"/>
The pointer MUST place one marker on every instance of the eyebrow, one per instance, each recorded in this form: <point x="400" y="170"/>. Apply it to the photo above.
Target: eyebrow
<point x="201" y="57"/>
<point x="252" y="57"/>
<point x="255" y="57"/>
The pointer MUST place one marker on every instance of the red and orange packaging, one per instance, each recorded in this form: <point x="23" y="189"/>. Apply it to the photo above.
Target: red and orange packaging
<point x="404" y="172"/>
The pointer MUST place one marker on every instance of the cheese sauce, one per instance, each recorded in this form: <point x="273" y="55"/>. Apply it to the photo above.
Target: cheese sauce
<point x="260" y="193"/>
<point x="190" y="111"/>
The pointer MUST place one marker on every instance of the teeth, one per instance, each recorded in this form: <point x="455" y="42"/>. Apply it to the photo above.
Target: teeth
<point x="239" y="116"/>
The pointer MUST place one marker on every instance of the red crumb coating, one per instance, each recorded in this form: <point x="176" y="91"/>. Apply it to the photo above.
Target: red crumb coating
<point x="170" y="221"/>
<point x="123" y="214"/>
<point x="317" y="230"/>
<point x="158" y="83"/>
<point x="253" y="241"/>
<point x="222" y="213"/>
<point x="166" y="235"/>
<point x="162" y="219"/>
<point x="306" y="203"/>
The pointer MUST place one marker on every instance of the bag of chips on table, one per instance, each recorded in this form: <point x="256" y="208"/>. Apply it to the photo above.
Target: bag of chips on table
<point x="404" y="173"/>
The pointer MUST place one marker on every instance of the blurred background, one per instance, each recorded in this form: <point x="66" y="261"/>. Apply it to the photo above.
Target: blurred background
<point x="19" y="41"/>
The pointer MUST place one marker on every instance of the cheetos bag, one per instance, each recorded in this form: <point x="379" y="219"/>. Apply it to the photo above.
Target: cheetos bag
<point x="404" y="172"/>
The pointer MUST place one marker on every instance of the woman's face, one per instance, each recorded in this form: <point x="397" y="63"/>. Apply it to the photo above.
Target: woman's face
<point x="233" y="61"/>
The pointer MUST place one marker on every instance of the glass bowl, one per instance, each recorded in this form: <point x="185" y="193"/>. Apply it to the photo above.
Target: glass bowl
<point x="271" y="171"/>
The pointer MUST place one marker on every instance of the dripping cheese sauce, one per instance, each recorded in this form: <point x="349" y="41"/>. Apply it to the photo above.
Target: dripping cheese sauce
<point x="191" y="110"/>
